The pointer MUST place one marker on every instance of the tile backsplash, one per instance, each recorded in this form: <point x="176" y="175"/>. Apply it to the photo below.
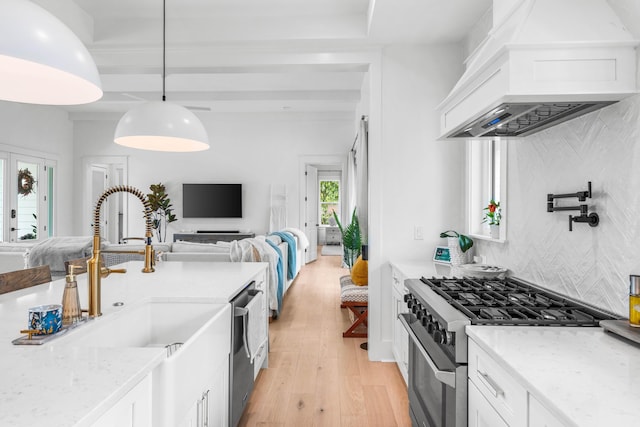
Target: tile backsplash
<point x="590" y="263"/>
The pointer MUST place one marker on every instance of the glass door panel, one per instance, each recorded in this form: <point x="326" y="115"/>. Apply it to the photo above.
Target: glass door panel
<point x="27" y="201"/>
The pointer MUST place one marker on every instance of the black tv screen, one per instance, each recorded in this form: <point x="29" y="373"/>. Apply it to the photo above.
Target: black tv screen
<point x="212" y="200"/>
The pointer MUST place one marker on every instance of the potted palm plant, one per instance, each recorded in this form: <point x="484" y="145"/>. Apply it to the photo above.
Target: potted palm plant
<point x="351" y="239"/>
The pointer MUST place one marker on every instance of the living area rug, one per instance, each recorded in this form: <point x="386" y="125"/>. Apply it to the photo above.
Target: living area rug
<point x="329" y="250"/>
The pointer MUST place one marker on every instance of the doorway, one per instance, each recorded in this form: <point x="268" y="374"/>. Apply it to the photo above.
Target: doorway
<point x="102" y="173"/>
<point x="311" y="167"/>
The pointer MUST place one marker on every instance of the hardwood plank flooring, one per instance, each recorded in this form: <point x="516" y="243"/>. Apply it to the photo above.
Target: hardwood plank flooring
<point x="316" y="377"/>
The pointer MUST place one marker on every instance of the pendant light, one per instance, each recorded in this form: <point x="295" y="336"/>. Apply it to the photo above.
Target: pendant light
<point x="161" y="125"/>
<point x="41" y="60"/>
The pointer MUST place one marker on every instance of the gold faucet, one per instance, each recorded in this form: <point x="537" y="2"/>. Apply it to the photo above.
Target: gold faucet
<point x="95" y="270"/>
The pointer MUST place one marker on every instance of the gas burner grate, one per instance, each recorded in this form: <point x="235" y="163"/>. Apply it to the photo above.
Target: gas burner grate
<point x="510" y="301"/>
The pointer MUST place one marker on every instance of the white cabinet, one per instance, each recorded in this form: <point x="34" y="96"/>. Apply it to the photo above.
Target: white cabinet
<point x="400" y="336"/>
<point x="539" y="416"/>
<point x="496" y="398"/>
<point x="481" y="413"/>
<point x="262" y="355"/>
<point x="196" y="369"/>
<point x="210" y="409"/>
<point x="133" y="410"/>
<point x="333" y="236"/>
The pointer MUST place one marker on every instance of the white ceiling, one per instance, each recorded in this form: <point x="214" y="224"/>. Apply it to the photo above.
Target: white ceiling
<point x="251" y="55"/>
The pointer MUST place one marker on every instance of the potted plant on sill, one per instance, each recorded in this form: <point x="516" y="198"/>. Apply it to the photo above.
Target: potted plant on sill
<point x="493" y="216"/>
<point x="459" y="245"/>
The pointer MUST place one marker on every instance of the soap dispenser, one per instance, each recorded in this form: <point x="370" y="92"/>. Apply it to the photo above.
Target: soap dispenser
<point x="71" y="312"/>
<point x="634" y="301"/>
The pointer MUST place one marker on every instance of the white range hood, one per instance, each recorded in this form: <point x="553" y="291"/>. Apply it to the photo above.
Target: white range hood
<point x="544" y="62"/>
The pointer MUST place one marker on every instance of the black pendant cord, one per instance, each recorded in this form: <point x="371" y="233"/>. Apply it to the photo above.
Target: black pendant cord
<point x="164" y="42"/>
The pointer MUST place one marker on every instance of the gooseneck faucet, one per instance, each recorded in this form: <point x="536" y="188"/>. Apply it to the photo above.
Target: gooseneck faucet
<point x="95" y="270"/>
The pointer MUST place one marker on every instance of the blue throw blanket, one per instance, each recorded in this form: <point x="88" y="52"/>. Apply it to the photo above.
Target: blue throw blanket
<point x="280" y="274"/>
<point x="291" y="252"/>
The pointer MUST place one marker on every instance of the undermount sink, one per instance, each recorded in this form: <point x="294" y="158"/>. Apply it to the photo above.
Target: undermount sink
<point x="153" y="323"/>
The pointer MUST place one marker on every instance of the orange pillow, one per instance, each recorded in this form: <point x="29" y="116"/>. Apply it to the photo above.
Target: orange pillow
<point x="360" y="272"/>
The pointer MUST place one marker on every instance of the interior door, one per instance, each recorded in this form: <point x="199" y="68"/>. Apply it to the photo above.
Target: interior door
<point x="99" y="184"/>
<point x="311" y="212"/>
<point x="28" y="198"/>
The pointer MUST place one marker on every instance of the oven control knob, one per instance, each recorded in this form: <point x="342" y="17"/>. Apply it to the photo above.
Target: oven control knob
<point x="432" y="327"/>
<point x="420" y="314"/>
<point x="410" y="302"/>
<point x="442" y="337"/>
<point x="407" y="297"/>
<point x="417" y="307"/>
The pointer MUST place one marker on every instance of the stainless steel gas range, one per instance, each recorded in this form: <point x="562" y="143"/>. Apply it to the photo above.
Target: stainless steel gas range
<point x="439" y="310"/>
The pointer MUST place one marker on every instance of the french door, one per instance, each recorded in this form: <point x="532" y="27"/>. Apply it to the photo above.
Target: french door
<point x="27" y="198"/>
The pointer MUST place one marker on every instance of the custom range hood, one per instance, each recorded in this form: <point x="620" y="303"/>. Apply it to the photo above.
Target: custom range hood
<point x="543" y="62"/>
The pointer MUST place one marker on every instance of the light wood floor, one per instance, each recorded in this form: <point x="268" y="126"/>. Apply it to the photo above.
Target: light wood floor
<point x="316" y="377"/>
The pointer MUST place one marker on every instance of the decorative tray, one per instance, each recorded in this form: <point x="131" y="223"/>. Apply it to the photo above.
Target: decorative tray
<point x="622" y="328"/>
<point x="42" y="339"/>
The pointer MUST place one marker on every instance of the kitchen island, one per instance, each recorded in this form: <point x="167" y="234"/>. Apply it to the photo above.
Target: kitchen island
<point x="66" y="384"/>
<point x="575" y="376"/>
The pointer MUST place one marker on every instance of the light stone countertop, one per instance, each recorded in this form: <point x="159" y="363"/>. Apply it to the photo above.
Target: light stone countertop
<point x="65" y="385"/>
<point x="417" y="269"/>
<point x="585" y="376"/>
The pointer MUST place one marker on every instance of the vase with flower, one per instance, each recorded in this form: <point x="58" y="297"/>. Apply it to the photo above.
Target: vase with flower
<point x="493" y="217"/>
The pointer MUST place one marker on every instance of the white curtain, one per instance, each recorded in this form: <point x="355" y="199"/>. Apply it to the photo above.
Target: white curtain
<point x="350" y="188"/>
<point x="278" y="208"/>
<point x="362" y="177"/>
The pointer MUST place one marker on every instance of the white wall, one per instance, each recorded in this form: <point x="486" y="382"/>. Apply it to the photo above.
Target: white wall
<point x="592" y="264"/>
<point x="44" y="131"/>
<point x="422" y="179"/>
<point x="255" y="150"/>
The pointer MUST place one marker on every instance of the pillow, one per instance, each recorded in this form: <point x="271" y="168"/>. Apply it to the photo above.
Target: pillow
<point x="360" y="272"/>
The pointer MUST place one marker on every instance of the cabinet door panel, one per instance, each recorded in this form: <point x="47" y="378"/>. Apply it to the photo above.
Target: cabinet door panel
<point x="481" y="413"/>
<point x="539" y="416"/>
<point x="133" y="410"/>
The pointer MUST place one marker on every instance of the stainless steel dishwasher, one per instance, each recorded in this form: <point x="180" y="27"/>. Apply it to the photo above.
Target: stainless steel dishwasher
<point x="240" y="364"/>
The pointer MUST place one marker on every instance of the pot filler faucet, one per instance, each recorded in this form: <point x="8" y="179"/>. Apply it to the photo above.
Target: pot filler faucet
<point x="95" y="270"/>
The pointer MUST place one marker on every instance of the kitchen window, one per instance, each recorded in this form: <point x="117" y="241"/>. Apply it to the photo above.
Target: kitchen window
<point x="486" y="182"/>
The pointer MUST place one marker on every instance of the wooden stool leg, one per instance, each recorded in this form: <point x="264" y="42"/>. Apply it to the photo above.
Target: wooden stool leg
<point x="361" y="318"/>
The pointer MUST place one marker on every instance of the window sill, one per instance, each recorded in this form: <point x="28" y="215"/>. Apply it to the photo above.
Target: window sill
<point x="486" y="237"/>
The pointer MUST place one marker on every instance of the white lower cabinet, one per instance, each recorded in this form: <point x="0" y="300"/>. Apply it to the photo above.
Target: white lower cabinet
<point x="210" y="409"/>
<point x="133" y="410"/>
<point x="497" y="399"/>
<point x="194" y="380"/>
<point x="539" y="416"/>
<point x="400" y="336"/>
<point x="262" y="355"/>
<point x="481" y="413"/>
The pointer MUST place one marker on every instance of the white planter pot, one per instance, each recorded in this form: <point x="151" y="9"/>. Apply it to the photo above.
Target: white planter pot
<point x="457" y="256"/>
<point x="494" y="231"/>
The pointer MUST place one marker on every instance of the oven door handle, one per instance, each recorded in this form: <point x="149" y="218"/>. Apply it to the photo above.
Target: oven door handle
<point x="446" y="377"/>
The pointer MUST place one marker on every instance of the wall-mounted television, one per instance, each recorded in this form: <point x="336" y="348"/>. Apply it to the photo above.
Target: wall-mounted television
<point x="212" y="200"/>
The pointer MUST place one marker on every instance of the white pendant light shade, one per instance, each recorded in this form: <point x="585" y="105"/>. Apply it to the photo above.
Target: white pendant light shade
<point x="161" y="126"/>
<point x="41" y="60"/>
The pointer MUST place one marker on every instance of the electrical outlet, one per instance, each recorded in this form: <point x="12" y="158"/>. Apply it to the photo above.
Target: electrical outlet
<point x="418" y="232"/>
